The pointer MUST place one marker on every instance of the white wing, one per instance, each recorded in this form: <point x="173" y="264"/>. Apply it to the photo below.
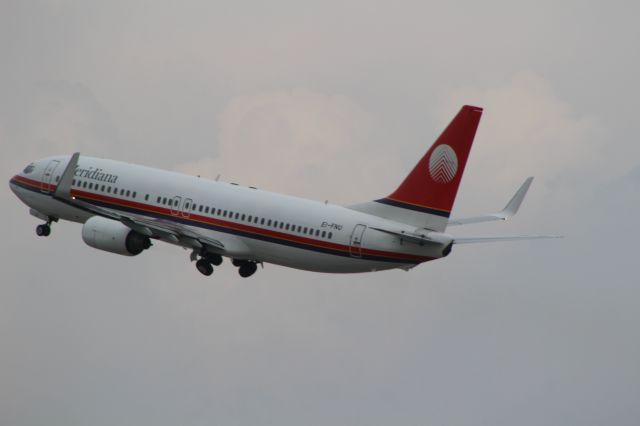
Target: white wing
<point x="510" y="209"/>
<point x="150" y="227"/>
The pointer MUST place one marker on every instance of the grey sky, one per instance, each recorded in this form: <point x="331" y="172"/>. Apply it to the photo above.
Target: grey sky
<point x="330" y="100"/>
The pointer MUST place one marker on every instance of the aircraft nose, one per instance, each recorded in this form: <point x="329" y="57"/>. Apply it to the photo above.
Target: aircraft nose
<point x="13" y="184"/>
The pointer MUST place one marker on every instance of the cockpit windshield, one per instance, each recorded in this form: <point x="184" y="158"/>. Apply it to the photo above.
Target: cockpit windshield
<point x="29" y="169"/>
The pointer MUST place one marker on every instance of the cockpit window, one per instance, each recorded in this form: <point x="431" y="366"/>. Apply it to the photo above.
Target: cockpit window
<point x="29" y="168"/>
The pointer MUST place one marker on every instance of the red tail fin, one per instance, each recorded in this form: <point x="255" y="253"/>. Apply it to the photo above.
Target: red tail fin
<point x="432" y="185"/>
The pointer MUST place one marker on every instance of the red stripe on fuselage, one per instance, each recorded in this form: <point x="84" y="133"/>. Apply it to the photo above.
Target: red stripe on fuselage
<point x="221" y="223"/>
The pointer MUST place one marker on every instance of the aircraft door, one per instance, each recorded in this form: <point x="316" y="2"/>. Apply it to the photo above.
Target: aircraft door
<point x="355" y="246"/>
<point x="175" y="205"/>
<point x="47" y="176"/>
<point x="186" y="207"/>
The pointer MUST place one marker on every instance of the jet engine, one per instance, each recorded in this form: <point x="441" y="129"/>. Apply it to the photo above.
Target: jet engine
<point x="112" y="236"/>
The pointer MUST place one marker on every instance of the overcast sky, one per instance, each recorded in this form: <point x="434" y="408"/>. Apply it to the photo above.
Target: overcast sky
<point x="334" y="100"/>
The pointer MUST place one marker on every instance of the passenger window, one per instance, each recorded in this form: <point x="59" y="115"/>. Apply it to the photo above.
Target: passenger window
<point x="102" y="188"/>
<point x="90" y="185"/>
<point x="299" y="228"/>
<point x="317" y="233"/>
<point x="121" y="191"/>
<point x="255" y="219"/>
<point x="146" y="197"/>
<point x="159" y="199"/>
<point x="249" y="219"/>
<point x="243" y="216"/>
<point x="324" y="233"/>
<point x="134" y="194"/>
<point x="219" y="212"/>
<point x="224" y="213"/>
<point x="84" y="184"/>
<point x="164" y="200"/>
<point x="206" y="210"/>
<point x="108" y="190"/>
<point x="57" y="178"/>
<point x="262" y="221"/>
<point x="128" y="193"/>
<point x="330" y="235"/>
<point x="200" y="208"/>
<point x="73" y="182"/>
<point x="269" y="222"/>
<point x="304" y="231"/>
<point x="237" y="215"/>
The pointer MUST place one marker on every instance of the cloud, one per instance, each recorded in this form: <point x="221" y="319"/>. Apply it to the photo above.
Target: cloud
<point x="300" y="142"/>
<point x="327" y="101"/>
<point x="528" y="129"/>
<point x="55" y="117"/>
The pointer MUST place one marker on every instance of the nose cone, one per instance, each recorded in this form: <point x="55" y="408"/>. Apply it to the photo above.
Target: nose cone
<point x="21" y="180"/>
<point x="13" y="185"/>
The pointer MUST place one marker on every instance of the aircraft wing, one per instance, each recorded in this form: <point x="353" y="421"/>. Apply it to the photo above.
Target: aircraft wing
<point x="150" y="227"/>
<point x="510" y="209"/>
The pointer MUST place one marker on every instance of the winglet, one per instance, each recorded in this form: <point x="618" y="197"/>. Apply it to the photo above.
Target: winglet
<point x="514" y="204"/>
<point x="510" y="209"/>
<point x="63" y="189"/>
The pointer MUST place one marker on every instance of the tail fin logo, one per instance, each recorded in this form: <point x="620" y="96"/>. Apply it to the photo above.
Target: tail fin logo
<point x="443" y="164"/>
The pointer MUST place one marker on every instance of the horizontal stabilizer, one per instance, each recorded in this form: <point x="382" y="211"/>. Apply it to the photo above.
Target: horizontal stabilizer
<point x="511" y="208"/>
<point x="492" y="239"/>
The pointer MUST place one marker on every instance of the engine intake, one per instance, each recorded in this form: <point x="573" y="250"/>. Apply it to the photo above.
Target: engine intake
<point x="112" y="236"/>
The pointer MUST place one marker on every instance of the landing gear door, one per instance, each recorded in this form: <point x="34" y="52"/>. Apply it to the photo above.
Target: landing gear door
<point x="355" y="246"/>
<point x="47" y="176"/>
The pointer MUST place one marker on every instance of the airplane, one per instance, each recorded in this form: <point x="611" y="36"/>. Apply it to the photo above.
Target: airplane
<point x="124" y="207"/>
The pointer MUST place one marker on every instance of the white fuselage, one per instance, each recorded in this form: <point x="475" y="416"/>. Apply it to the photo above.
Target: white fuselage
<point x="250" y="223"/>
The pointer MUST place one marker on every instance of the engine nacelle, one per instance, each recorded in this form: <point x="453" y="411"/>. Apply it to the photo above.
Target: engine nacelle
<point x="109" y="235"/>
